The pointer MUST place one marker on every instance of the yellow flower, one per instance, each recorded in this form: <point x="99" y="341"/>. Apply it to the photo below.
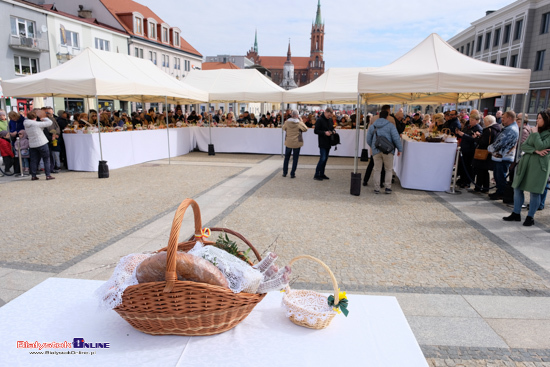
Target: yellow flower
<point x="337" y="310"/>
<point x="341" y="295"/>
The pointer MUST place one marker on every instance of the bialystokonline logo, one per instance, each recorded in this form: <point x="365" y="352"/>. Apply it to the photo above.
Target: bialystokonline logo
<point x="77" y="343"/>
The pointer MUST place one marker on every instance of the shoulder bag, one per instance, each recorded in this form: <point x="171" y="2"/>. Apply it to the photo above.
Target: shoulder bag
<point x="383" y="144"/>
<point x="483" y="154"/>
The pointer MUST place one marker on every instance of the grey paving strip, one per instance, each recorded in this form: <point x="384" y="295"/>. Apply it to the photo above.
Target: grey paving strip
<point x="212" y="164"/>
<point x="492" y="354"/>
<point x="524" y="260"/>
<point x="425" y="290"/>
<point x="101" y="246"/>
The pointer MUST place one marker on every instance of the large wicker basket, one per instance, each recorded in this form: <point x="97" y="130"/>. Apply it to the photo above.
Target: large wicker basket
<point x="308" y="308"/>
<point x="176" y="307"/>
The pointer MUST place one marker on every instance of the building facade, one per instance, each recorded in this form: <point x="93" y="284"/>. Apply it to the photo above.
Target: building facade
<point x="25" y="45"/>
<point x="517" y="35"/>
<point x="242" y="62"/>
<point x="306" y="69"/>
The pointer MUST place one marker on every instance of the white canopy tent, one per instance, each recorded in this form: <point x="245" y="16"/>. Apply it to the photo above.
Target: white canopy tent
<point x="435" y="72"/>
<point x="108" y="75"/>
<point x="335" y="86"/>
<point x="229" y="85"/>
<point x="237" y="85"/>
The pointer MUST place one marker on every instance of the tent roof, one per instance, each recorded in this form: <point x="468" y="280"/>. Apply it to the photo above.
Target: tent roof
<point x="243" y="85"/>
<point x="434" y="72"/>
<point x="336" y="85"/>
<point x="107" y="75"/>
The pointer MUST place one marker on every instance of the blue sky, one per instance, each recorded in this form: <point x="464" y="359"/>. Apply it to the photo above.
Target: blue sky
<point x="357" y="33"/>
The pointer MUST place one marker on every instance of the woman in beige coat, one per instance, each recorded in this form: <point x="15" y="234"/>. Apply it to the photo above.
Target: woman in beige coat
<point x="293" y="142"/>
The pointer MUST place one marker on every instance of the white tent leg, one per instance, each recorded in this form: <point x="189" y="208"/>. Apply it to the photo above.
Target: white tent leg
<point x="282" y="132"/>
<point x="167" y="128"/>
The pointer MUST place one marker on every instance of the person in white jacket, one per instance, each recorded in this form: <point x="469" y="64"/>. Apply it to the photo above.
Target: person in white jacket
<point x="38" y="143"/>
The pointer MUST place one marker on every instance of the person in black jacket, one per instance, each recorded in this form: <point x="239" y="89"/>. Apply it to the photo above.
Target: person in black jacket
<point x="481" y="167"/>
<point x="468" y="147"/>
<point x="324" y="129"/>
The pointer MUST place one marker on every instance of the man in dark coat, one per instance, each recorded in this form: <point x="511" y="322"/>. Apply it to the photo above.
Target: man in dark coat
<point x="324" y="129"/>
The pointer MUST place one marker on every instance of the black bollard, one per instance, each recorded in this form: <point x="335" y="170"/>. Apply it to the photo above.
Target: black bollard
<point x="364" y="155"/>
<point x="355" y="187"/>
<point x="211" y="149"/>
<point x="103" y="170"/>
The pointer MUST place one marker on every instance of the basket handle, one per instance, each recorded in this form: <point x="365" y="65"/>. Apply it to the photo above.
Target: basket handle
<point x="170" y="275"/>
<point x="238" y="235"/>
<point x="332" y="277"/>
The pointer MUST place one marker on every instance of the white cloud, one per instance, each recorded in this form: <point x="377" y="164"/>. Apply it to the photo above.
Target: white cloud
<point x="357" y="32"/>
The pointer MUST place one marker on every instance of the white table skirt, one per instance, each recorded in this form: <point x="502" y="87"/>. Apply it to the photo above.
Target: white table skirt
<point x="269" y="141"/>
<point x="376" y="333"/>
<point x="425" y="166"/>
<point x="124" y="149"/>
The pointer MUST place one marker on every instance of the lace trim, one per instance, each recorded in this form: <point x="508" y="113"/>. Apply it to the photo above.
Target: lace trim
<point x="307" y="305"/>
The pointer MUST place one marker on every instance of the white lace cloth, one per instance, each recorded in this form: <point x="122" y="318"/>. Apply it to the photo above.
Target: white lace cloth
<point x="240" y="275"/>
<point x="306" y="305"/>
<point x="110" y="293"/>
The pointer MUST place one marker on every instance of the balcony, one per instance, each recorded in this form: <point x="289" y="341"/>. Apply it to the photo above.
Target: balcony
<point x="28" y="43"/>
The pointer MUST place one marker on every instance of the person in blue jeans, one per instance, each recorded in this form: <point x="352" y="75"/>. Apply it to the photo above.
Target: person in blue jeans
<point x="324" y="128"/>
<point x="533" y="170"/>
<point x="293" y="127"/>
<point x="503" y="151"/>
<point x="34" y="126"/>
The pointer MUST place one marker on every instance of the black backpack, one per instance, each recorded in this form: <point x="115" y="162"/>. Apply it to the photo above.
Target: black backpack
<point x="334" y="139"/>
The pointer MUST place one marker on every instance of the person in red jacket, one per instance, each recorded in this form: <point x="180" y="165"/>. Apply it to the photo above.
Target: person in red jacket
<point x="6" y="150"/>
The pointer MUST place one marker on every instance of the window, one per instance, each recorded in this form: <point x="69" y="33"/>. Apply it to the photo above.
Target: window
<point x="479" y="40"/>
<point x="164" y="35"/>
<point x="187" y="65"/>
<point x="461" y="49"/>
<point x="494" y="61"/>
<point x="468" y="49"/>
<point x="138" y="25"/>
<point x="176" y="38"/>
<point x="25" y="65"/>
<point x="138" y="52"/>
<point x="545" y="24"/>
<point x="102" y="44"/>
<point x="507" y="30"/>
<point x="22" y="27"/>
<point x="163" y="60"/>
<point x="514" y="61"/>
<point x="539" y="60"/>
<point x="177" y="63"/>
<point x="517" y="31"/>
<point x="503" y="61"/>
<point x="497" y="38"/>
<point x="69" y="38"/>
<point x="153" y="57"/>
<point x="152" y="30"/>
<point x="487" y="40"/>
<point x="167" y="61"/>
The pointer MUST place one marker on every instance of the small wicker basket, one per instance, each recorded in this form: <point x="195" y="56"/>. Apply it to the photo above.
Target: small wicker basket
<point x="308" y="308"/>
<point x="175" y="307"/>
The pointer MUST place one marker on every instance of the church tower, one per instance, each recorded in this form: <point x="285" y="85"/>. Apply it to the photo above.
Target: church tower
<point x="253" y="53"/>
<point x="316" y="63"/>
<point x="288" y="72"/>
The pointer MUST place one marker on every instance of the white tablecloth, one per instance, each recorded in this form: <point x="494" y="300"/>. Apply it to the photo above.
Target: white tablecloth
<point x="268" y="141"/>
<point x="425" y="166"/>
<point x="376" y="333"/>
<point x="124" y="149"/>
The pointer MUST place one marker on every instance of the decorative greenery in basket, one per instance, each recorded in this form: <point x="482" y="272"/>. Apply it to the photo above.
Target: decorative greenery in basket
<point x="342" y="305"/>
<point x="226" y="244"/>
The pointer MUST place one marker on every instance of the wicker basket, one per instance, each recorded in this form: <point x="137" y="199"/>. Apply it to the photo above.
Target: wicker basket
<point x="318" y="314"/>
<point x="174" y="307"/>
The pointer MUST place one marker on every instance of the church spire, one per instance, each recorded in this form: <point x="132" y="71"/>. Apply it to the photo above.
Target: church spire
<point x="256" y="41"/>
<point x="288" y="53"/>
<point x="318" y="20"/>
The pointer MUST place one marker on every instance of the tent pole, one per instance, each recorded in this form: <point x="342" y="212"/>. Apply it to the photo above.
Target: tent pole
<point x="167" y="128"/>
<point x="282" y="132"/>
<point x="479" y="103"/>
<point x="357" y="118"/>
<point x="99" y="128"/>
<point x="518" y="150"/>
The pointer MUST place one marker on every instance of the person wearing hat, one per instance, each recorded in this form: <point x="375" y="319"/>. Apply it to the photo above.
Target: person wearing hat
<point x="417" y="120"/>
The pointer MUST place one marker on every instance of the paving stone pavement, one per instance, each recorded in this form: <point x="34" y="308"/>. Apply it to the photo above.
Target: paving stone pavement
<point x="475" y="290"/>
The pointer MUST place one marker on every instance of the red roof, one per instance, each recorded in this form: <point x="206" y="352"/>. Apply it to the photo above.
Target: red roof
<point x="218" y="65"/>
<point x="94" y="21"/>
<point x="277" y="62"/>
<point x="125" y="7"/>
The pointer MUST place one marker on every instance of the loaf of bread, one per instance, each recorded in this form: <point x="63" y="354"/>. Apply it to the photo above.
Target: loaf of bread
<point x="188" y="268"/>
